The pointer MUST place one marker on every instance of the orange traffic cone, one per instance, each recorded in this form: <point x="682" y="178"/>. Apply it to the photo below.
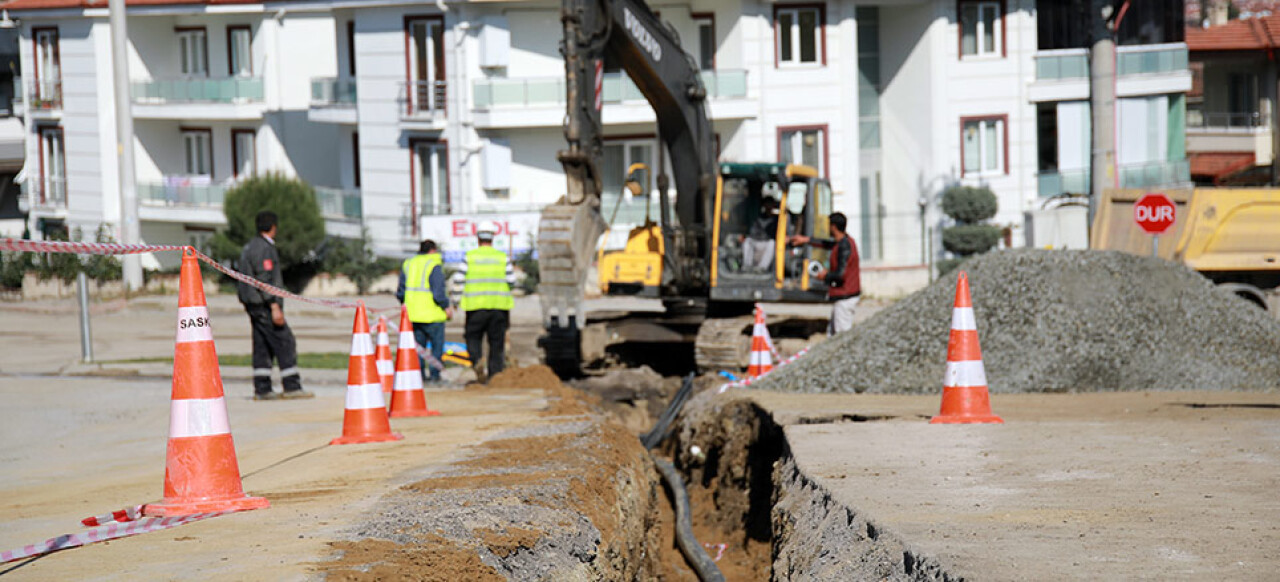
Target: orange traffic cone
<point x="386" y="373"/>
<point x="365" y="420"/>
<point x="964" y="390"/>
<point x="761" y="354"/>
<point x="408" y="399"/>
<point x="201" y="474"/>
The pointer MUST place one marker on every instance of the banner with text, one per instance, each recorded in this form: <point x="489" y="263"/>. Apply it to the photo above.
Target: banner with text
<point x="456" y="233"/>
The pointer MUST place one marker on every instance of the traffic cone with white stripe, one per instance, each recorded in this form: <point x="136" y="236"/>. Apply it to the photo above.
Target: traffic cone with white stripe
<point x="365" y="419"/>
<point x="761" y="354"/>
<point x="386" y="373"/>
<point x="408" y="399"/>
<point x="964" y="390"/>
<point x="201" y="473"/>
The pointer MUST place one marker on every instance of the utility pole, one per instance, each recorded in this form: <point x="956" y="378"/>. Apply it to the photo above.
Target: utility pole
<point x="129" y="226"/>
<point x="1102" y="102"/>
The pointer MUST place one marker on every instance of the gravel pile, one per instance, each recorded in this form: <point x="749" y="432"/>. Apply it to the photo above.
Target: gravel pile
<point x="1057" y="321"/>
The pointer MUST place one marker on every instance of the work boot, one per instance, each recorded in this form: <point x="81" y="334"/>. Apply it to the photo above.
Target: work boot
<point x="481" y="377"/>
<point x="267" y="396"/>
<point x="298" y="394"/>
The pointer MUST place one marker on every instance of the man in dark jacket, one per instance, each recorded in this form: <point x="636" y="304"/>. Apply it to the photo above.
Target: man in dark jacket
<point x="272" y="337"/>
<point x="843" y="278"/>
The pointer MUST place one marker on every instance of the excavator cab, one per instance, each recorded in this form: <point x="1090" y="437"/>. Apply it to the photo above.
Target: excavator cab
<point x="758" y="207"/>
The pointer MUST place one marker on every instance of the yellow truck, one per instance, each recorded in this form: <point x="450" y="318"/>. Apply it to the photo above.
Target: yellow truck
<point x="1230" y="235"/>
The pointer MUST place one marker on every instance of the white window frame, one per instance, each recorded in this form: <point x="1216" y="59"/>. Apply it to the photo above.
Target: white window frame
<point x="979" y="29"/>
<point x="193" y="52"/>
<point x="986" y="167"/>
<point x="53" y="166"/>
<point x="437" y="153"/>
<point x="433" y="28"/>
<point x="819" y="36"/>
<point x="197" y="151"/>
<point x="792" y="146"/>
<point x="240" y="37"/>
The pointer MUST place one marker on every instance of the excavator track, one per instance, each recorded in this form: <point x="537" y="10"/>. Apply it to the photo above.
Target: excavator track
<point x="724" y="344"/>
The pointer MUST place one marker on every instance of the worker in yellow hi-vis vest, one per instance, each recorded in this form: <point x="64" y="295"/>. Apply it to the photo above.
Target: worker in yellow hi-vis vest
<point x="486" y="278"/>
<point x="422" y="292"/>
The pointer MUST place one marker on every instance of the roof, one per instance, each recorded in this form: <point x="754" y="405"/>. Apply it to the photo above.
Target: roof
<point x="19" y="5"/>
<point x="1218" y="165"/>
<point x="1254" y="34"/>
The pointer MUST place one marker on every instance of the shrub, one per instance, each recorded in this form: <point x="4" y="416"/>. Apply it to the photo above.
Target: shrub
<point x="294" y="202"/>
<point x="354" y="258"/>
<point x="529" y="265"/>
<point x="103" y="268"/>
<point x="969" y="206"/>
<point x="970" y="239"/>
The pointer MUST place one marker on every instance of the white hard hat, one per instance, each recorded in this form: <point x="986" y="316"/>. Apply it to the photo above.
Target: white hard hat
<point x="486" y="229"/>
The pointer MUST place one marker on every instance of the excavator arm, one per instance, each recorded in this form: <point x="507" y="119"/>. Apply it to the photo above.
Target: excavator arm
<point x="626" y="32"/>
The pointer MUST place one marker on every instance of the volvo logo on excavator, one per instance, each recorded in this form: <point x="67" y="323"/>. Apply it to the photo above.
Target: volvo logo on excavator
<point x="641" y="34"/>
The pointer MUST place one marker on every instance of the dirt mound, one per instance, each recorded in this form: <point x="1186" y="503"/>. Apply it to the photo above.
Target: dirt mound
<point x="1057" y="321"/>
<point x="538" y="376"/>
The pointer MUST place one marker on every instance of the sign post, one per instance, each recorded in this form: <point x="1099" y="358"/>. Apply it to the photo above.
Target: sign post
<point x="1154" y="213"/>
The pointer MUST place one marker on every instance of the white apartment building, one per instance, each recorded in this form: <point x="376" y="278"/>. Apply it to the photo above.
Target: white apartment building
<point x="417" y="118"/>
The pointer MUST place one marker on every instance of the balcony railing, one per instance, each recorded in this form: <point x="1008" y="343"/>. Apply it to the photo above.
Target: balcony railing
<point x="1062" y="65"/>
<point x="424" y="99"/>
<point x="1158" y="59"/>
<point x="47" y="193"/>
<point x="186" y="191"/>
<point x="618" y="88"/>
<point x="1218" y="120"/>
<point x="1056" y="182"/>
<point x="44" y="95"/>
<point x="333" y="92"/>
<point x="198" y="90"/>
<point x="339" y="204"/>
<point x="1154" y="174"/>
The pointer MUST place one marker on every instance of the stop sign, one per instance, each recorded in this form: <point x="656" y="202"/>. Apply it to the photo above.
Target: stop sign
<point x="1154" y="213"/>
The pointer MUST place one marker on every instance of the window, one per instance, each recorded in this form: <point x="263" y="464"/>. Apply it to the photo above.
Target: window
<point x="355" y="158"/>
<point x="426" y="64"/>
<point x="1047" y="136"/>
<point x="706" y="23"/>
<point x="198" y="150"/>
<point x="244" y="152"/>
<point x="431" y="177"/>
<point x="798" y="35"/>
<point x="1242" y="93"/>
<point x="981" y="28"/>
<point x="48" y="65"/>
<point x="1063" y="24"/>
<point x="1153" y="22"/>
<point x="983" y="145"/>
<point x="618" y="156"/>
<point x="53" y="167"/>
<point x="869" y="88"/>
<point x="239" y="51"/>
<point x="193" y="52"/>
<point x="351" y="48"/>
<point x="804" y="145"/>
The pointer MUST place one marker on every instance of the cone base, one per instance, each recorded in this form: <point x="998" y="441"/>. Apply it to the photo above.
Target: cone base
<point x="369" y="438"/>
<point x="967" y="419"/>
<point x="178" y="508"/>
<point x="405" y="413"/>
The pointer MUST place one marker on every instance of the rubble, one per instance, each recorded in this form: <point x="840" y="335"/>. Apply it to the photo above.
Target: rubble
<point x="1057" y="321"/>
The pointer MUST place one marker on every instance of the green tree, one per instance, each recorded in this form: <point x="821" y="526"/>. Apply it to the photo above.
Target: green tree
<point x="354" y="258"/>
<point x="529" y="265"/>
<point x="970" y="207"/>
<point x="293" y="201"/>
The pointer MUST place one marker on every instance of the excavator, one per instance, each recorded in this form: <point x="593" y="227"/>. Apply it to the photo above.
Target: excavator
<point x="691" y="258"/>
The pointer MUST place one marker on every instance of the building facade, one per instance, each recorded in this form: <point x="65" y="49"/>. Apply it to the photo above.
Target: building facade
<point x="418" y="118"/>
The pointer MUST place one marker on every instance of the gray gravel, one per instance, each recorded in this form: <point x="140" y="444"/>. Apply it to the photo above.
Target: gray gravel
<point x="1057" y="321"/>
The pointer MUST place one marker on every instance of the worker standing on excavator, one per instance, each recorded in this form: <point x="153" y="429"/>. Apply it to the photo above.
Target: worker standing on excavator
<point x="486" y="278"/>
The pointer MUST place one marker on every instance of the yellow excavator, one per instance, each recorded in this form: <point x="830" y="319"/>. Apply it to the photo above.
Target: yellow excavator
<point x="691" y="257"/>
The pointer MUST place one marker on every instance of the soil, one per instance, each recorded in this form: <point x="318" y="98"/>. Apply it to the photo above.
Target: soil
<point x="434" y="560"/>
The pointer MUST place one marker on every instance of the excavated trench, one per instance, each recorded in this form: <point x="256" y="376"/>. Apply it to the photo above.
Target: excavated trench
<point x="777" y="522"/>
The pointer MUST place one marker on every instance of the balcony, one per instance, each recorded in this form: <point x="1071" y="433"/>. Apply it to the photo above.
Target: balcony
<point x="48" y="195"/>
<point x="1222" y="132"/>
<point x="1152" y="174"/>
<point x="539" y="101"/>
<point x="1152" y="69"/>
<point x="423" y="102"/>
<point x="229" y="98"/>
<point x="1061" y="75"/>
<point x="1057" y="182"/>
<point x="40" y="97"/>
<point x="333" y="100"/>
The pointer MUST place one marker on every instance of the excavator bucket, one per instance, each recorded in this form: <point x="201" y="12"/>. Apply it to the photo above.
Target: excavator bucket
<point x="567" y="238"/>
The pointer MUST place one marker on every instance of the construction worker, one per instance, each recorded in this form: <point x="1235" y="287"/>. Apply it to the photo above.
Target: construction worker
<point x="843" y="279"/>
<point x="486" y="279"/>
<point x="423" y="294"/>
<point x="272" y="337"/>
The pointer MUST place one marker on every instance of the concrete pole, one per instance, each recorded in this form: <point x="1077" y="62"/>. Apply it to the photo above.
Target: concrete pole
<point x="86" y="335"/>
<point x="129" y="227"/>
<point x="1102" y="105"/>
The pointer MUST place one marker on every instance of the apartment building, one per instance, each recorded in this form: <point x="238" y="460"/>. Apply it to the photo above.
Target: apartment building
<point x="419" y="118"/>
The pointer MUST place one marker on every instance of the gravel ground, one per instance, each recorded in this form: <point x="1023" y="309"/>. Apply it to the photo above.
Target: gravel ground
<point x="1057" y="321"/>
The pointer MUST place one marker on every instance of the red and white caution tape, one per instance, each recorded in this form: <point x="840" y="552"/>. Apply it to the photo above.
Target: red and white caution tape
<point x="750" y="380"/>
<point x="123" y="515"/>
<point x="103" y="533"/>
